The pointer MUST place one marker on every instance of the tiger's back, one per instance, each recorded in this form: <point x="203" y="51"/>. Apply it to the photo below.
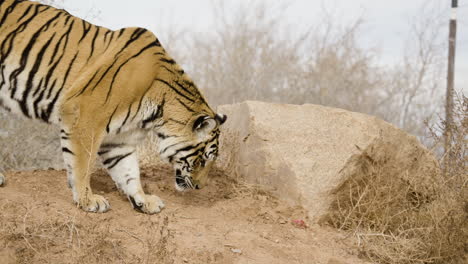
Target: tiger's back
<point x="106" y="90"/>
<point x="44" y="52"/>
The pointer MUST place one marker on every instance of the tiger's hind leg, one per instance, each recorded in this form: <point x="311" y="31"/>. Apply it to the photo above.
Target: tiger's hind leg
<point x="79" y="147"/>
<point x="121" y="162"/>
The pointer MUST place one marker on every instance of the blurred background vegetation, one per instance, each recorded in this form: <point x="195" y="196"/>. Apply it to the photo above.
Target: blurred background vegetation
<point x="254" y="54"/>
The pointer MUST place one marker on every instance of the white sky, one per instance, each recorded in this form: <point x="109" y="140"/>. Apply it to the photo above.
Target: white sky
<point x="386" y="22"/>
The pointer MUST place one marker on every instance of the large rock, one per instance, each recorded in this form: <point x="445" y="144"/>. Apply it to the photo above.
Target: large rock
<point x="304" y="152"/>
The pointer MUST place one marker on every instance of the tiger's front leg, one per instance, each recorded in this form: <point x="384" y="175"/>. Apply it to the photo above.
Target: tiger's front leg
<point x="121" y="161"/>
<point x="79" y="147"/>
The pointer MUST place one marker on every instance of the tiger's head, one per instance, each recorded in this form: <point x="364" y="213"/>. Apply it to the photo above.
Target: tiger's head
<point x="193" y="156"/>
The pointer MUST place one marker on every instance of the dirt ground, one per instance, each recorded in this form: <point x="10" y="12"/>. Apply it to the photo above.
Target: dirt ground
<point x="225" y="222"/>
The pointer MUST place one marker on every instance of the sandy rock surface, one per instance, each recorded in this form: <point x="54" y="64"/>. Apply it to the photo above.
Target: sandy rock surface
<point x="224" y="223"/>
<point x="304" y="152"/>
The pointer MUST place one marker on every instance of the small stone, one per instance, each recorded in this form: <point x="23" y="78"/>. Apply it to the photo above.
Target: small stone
<point x="185" y="260"/>
<point x="282" y="221"/>
<point x="299" y="223"/>
<point x="277" y="241"/>
<point x="236" y="250"/>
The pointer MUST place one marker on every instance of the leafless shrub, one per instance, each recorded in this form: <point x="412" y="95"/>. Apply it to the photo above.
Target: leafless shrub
<point x="253" y="55"/>
<point x="396" y="221"/>
<point x="455" y="159"/>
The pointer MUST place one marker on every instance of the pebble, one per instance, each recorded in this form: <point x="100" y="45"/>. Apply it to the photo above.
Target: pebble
<point x="236" y="250"/>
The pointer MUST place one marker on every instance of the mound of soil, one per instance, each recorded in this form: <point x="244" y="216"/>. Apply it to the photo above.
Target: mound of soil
<point x="226" y="222"/>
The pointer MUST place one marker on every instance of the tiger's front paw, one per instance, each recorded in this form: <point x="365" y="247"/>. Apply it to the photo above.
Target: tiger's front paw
<point x="149" y="204"/>
<point x="95" y="203"/>
<point x="2" y="179"/>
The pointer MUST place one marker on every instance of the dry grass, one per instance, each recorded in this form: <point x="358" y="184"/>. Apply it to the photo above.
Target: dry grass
<point x="399" y="221"/>
<point x="35" y="237"/>
<point x="28" y="144"/>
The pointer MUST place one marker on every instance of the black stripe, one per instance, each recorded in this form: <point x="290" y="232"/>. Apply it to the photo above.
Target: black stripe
<point x="110" y="39"/>
<point x="152" y="44"/>
<point x="86" y="29"/>
<point x="129" y="180"/>
<point x="66" y="150"/>
<point x="32" y="73"/>
<point x="172" y="145"/>
<point x="187" y="148"/>
<point x="177" y="121"/>
<point x="68" y="19"/>
<point x="112" y="145"/>
<point x="25" y="54"/>
<point x="135" y="36"/>
<point x="105" y="73"/>
<point x="45" y="116"/>
<point x="102" y="152"/>
<point x="46" y="7"/>
<point x="93" y="43"/>
<point x="84" y="87"/>
<point x="8" y="11"/>
<point x="7" y="46"/>
<point x="186" y="106"/>
<point x="167" y="69"/>
<point x="25" y="13"/>
<point x="196" y="152"/>
<point x="175" y="90"/>
<point x="155" y="115"/>
<point x="141" y="101"/>
<point x="162" y="136"/>
<point x="126" y="118"/>
<point x="110" y="119"/>
<point x="60" y="42"/>
<point x="170" y="61"/>
<point x="121" y="31"/>
<point x="38" y="99"/>
<point x="116" y="160"/>
<point x="107" y="33"/>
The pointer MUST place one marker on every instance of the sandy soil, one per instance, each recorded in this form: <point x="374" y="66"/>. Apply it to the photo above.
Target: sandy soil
<point x="226" y="222"/>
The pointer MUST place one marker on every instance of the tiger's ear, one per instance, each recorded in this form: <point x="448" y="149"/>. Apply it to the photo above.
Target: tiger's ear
<point x="220" y="118"/>
<point x="204" y="125"/>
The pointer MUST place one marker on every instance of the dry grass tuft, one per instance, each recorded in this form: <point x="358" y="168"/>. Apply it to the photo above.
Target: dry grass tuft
<point x="397" y="218"/>
<point x="30" y="236"/>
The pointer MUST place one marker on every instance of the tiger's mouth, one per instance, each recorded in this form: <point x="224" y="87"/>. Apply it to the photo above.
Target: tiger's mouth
<point x="183" y="183"/>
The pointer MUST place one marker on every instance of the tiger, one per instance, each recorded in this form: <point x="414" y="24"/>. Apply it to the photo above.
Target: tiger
<point x="105" y="90"/>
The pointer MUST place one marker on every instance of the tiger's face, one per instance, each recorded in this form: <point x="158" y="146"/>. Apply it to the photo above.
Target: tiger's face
<point x="192" y="160"/>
